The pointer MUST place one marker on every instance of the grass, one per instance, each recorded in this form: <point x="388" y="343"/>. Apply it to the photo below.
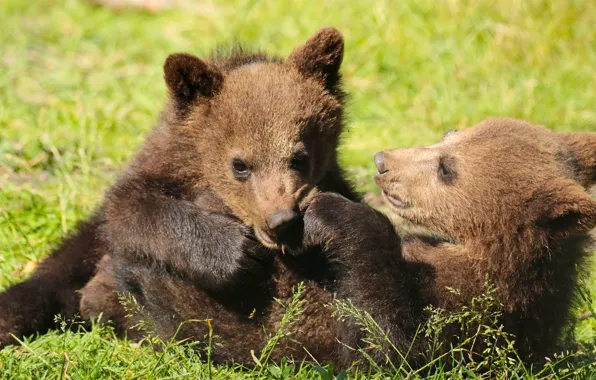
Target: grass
<point x="81" y="85"/>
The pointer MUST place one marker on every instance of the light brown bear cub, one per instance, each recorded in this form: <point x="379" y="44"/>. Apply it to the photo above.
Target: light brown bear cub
<point x="509" y="198"/>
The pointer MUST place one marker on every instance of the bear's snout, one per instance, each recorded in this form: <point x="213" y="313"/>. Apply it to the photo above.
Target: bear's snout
<point x="380" y="163"/>
<point x="283" y="221"/>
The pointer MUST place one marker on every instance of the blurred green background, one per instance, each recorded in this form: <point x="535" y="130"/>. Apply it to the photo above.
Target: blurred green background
<point x="81" y="85"/>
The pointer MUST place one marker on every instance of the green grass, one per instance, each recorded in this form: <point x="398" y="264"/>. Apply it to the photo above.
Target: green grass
<point x="80" y="86"/>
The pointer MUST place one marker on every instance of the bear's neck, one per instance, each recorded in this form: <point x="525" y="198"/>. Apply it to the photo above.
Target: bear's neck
<point x="530" y="273"/>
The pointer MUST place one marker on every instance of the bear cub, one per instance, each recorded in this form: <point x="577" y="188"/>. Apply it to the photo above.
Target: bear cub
<point x="508" y="199"/>
<point x="223" y="210"/>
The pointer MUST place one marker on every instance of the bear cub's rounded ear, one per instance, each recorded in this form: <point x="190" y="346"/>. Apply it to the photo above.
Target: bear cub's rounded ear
<point x="321" y="56"/>
<point x="189" y="78"/>
<point x="563" y="206"/>
<point x="583" y="147"/>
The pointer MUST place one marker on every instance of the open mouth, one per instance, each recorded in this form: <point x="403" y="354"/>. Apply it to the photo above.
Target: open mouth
<point x="395" y="200"/>
<point x="412" y="225"/>
<point x="266" y="239"/>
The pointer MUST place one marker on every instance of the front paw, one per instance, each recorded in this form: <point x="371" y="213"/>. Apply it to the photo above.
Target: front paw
<point x="325" y="218"/>
<point x="331" y="218"/>
<point x="332" y="209"/>
<point x="99" y="295"/>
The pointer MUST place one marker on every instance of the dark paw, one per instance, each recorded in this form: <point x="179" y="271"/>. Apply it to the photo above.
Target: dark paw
<point x="332" y="210"/>
<point x="100" y="294"/>
<point x="6" y="328"/>
<point x="325" y="217"/>
<point x="332" y="218"/>
<point x="232" y="254"/>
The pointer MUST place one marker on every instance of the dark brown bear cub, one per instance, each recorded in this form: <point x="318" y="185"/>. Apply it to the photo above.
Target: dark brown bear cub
<point x="194" y="227"/>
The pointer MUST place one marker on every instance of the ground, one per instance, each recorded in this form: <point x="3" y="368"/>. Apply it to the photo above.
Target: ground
<point x="81" y="85"/>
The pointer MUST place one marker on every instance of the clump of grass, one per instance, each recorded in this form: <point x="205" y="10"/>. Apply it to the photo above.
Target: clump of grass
<point x="483" y="348"/>
<point x="291" y="315"/>
<point x="482" y="343"/>
<point x="485" y="351"/>
<point x="374" y="338"/>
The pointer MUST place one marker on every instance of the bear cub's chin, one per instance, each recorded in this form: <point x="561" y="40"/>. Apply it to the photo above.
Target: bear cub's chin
<point x="290" y="241"/>
<point x="266" y="239"/>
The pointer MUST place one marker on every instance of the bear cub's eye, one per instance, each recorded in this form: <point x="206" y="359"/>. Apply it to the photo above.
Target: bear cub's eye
<point x="240" y="169"/>
<point x="446" y="170"/>
<point x="299" y="162"/>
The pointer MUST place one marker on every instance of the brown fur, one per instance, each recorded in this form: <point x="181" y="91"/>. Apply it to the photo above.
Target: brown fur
<point x="179" y="212"/>
<point x="263" y="112"/>
<point x="509" y="199"/>
<point x="582" y="160"/>
<point x="192" y="228"/>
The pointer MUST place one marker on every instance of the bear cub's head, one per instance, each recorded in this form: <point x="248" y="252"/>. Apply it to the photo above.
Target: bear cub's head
<point x="498" y="178"/>
<point x="258" y="132"/>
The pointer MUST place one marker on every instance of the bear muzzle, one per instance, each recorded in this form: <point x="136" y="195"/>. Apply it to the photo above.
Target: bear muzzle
<point x="282" y="220"/>
<point x="285" y="229"/>
<point x="380" y="162"/>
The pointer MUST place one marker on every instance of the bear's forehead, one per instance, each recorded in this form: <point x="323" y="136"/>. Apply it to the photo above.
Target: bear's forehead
<point x="518" y="139"/>
<point x="262" y="108"/>
<point x="270" y="98"/>
<point x="508" y="149"/>
<point x="266" y="80"/>
<point x="272" y="86"/>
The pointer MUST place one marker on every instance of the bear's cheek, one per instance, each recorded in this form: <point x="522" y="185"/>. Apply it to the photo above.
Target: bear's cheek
<point x="237" y="199"/>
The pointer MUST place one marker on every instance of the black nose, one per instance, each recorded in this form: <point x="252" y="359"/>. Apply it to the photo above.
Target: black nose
<point x="380" y="162"/>
<point x="283" y="220"/>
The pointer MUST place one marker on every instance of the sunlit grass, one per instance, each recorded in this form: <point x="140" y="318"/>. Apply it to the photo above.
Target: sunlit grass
<point x="80" y="86"/>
